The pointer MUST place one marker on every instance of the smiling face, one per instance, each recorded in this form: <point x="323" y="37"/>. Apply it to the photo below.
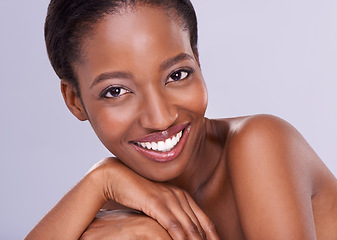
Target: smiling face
<point x="143" y="92"/>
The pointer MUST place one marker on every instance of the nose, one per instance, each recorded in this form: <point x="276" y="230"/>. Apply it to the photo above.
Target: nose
<point x="158" y="112"/>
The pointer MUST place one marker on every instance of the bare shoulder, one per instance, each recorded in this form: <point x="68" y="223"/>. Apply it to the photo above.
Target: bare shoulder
<point x="272" y="165"/>
<point x="266" y="142"/>
<point x="259" y="125"/>
<point x="286" y="184"/>
<point x="260" y="142"/>
<point x="262" y="123"/>
<point x="268" y="135"/>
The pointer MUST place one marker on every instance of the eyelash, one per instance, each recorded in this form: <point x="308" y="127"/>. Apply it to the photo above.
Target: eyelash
<point x="184" y="73"/>
<point x="188" y="72"/>
<point x="121" y="92"/>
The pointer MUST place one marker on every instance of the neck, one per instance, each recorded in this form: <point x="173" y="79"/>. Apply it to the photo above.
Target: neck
<point x="204" y="159"/>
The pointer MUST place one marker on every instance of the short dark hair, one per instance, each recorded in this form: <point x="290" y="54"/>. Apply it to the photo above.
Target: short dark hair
<point x="68" y="21"/>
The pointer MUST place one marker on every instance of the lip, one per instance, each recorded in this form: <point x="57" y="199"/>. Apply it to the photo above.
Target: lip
<point x="160" y="136"/>
<point x="155" y="137"/>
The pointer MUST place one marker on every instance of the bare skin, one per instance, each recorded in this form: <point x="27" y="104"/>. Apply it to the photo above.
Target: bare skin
<point x="251" y="177"/>
<point x="283" y="191"/>
<point x="273" y="184"/>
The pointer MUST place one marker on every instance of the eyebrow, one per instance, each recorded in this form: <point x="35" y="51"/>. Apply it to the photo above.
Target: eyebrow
<point x="110" y="75"/>
<point x="172" y="61"/>
<point x="165" y="65"/>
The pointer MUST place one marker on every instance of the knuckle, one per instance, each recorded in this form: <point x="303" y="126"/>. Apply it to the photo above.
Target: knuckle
<point x="164" y="195"/>
<point x="174" y="225"/>
<point x="179" y="192"/>
<point x="156" y="202"/>
<point x="170" y="193"/>
<point x="193" y="229"/>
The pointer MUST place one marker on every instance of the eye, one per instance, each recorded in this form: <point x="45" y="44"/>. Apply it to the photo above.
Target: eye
<point x="179" y="75"/>
<point x="114" y="92"/>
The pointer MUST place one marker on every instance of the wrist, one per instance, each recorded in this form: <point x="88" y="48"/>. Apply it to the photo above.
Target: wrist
<point x="102" y="175"/>
<point x="97" y="179"/>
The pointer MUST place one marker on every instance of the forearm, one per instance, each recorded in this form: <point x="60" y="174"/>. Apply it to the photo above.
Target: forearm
<point x="124" y="224"/>
<point x="73" y="213"/>
<point x="112" y="180"/>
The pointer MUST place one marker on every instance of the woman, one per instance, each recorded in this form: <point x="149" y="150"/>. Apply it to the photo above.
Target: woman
<point x="132" y="69"/>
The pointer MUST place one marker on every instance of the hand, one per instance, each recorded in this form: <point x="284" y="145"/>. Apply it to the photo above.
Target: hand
<point x="124" y="224"/>
<point x="172" y="207"/>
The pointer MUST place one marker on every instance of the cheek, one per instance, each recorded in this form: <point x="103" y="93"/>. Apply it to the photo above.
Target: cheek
<point x="195" y="97"/>
<point x="112" y="124"/>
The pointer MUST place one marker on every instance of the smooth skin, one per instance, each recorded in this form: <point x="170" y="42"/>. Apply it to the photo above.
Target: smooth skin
<point x="251" y="177"/>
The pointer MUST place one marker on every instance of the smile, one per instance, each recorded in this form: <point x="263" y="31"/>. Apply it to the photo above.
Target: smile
<point x="163" y="146"/>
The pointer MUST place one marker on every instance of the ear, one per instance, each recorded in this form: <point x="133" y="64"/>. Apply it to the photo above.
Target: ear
<point x="73" y="101"/>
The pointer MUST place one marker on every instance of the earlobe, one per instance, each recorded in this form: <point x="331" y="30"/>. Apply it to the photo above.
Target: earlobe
<point x="72" y="100"/>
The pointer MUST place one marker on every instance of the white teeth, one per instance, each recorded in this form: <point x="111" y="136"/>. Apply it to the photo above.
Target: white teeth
<point x="162" y="146"/>
<point x="148" y="145"/>
<point x="174" y="140"/>
<point x="154" y="146"/>
<point x="168" y="143"/>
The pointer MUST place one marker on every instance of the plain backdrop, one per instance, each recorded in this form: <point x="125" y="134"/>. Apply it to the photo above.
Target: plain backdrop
<point x="258" y="56"/>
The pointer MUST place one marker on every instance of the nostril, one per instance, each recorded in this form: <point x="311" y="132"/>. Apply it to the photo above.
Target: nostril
<point x="158" y="119"/>
<point x="158" y="113"/>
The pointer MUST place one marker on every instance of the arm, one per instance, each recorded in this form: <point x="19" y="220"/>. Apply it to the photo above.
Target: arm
<point x="73" y="213"/>
<point x="123" y="224"/>
<point x="175" y="211"/>
<point x="269" y="164"/>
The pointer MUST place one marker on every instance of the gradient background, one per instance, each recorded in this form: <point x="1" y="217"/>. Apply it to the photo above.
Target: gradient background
<point x="258" y="56"/>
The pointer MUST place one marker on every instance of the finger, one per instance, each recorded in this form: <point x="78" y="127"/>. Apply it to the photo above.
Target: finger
<point x="172" y="216"/>
<point x="183" y="199"/>
<point x="168" y="221"/>
<point x="207" y="225"/>
<point x="191" y="229"/>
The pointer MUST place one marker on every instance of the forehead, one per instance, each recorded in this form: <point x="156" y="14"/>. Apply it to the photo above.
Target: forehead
<point x="144" y="32"/>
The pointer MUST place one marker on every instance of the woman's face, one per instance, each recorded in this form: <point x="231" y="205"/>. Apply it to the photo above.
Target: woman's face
<point x="143" y="91"/>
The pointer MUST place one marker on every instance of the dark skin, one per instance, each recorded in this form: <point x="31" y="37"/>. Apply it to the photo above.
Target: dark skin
<point x="296" y="199"/>
<point x="252" y="177"/>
